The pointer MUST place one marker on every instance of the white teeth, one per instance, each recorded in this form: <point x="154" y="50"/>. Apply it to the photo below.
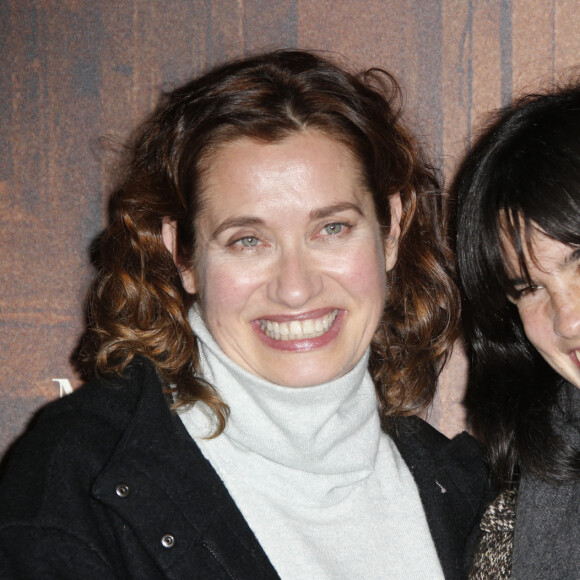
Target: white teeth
<point x="298" y="329"/>
<point x="295" y="330"/>
<point x="284" y="331"/>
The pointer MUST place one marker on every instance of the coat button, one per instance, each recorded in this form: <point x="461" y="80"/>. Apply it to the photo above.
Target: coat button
<point x="168" y="541"/>
<point x="122" y="490"/>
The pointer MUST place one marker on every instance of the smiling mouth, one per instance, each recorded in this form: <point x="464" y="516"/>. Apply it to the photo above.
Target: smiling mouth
<point x="298" y="329"/>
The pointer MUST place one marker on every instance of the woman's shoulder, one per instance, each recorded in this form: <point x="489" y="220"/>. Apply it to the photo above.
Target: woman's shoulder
<point x="48" y="515"/>
<point x="99" y="481"/>
<point x="69" y="440"/>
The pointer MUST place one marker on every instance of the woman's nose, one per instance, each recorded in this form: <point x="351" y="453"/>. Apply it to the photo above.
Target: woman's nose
<point x="296" y="279"/>
<point x="567" y="313"/>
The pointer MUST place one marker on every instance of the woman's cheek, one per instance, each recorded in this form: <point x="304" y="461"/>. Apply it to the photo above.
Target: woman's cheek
<point x="226" y="285"/>
<point x="536" y="323"/>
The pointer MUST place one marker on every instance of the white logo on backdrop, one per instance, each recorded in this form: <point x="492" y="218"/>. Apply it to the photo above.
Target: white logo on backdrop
<point x="65" y="387"/>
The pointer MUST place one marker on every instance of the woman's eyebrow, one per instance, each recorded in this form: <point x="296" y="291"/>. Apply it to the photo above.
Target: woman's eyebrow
<point x="519" y="281"/>
<point x="237" y="222"/>
<point x="571" y="257"/>
<point x="329" y="210"/>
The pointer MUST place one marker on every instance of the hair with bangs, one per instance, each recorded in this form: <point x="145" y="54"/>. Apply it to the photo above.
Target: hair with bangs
<point x="522" y="174"/>
<point x="138" y="305"/>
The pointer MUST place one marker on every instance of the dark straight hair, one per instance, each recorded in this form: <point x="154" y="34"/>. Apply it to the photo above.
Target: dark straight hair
<point x="522" y="173"/>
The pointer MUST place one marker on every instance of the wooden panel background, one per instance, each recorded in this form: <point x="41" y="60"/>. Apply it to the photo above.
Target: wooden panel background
<point x="75" y="73"/>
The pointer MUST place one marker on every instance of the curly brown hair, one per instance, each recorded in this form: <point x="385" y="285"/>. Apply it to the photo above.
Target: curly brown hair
<point x="138" y="305"/>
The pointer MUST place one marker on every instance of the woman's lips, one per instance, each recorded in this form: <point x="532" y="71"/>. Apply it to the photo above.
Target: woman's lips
<point x="298" y="329"/>
<point x="301" y="333"/>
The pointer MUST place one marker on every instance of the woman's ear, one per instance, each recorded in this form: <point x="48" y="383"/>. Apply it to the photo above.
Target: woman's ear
<point x="169" y="235"/>
<point x="392" y="241"/>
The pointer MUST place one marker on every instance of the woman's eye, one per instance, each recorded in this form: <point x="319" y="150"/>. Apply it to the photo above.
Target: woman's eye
<point x="333" y="229"/>
<point x="522" y="292"/>
<point x="249" y="241"/>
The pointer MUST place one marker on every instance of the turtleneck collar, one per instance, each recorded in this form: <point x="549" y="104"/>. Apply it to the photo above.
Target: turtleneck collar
<point x="331" y="429"/>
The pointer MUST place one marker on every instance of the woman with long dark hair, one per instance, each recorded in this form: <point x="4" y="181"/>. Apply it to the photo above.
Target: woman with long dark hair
<point x="518" y="249"/>
<point x="273" y="304"/>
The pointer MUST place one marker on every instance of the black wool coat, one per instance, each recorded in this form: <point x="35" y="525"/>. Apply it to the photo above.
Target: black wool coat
<point x="108" y="484"/>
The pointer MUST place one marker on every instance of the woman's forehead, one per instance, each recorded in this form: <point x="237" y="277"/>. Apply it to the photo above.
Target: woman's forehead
<point x="528" y="247"/>
<point x="251" y="172"/>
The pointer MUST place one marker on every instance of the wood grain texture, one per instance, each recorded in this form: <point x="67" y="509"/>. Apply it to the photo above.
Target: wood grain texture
<point x="77" y="75"/>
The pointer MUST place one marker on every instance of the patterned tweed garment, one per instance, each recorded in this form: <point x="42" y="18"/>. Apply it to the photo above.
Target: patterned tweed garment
<point x="493" y="555"/>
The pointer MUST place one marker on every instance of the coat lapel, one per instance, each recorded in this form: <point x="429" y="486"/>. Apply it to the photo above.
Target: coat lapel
<point x="453" y="485"/>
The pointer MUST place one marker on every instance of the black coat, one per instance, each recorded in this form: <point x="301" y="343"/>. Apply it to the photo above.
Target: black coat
<point x="108" y="484"/>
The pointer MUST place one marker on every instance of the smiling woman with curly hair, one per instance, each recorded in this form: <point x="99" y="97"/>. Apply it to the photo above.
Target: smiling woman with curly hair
<point x="273" y="304"/>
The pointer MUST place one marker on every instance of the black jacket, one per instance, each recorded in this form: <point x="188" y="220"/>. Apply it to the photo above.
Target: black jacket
<point x="108" y="484"/>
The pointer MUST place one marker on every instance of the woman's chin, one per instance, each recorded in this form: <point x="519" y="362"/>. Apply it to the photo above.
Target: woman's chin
<point x="303" y="377"/>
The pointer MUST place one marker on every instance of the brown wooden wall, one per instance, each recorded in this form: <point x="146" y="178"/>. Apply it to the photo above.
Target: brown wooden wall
<point x="75" y="72"/>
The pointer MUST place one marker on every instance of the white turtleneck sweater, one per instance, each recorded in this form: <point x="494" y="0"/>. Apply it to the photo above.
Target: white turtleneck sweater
<point x="324" y="490"/>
